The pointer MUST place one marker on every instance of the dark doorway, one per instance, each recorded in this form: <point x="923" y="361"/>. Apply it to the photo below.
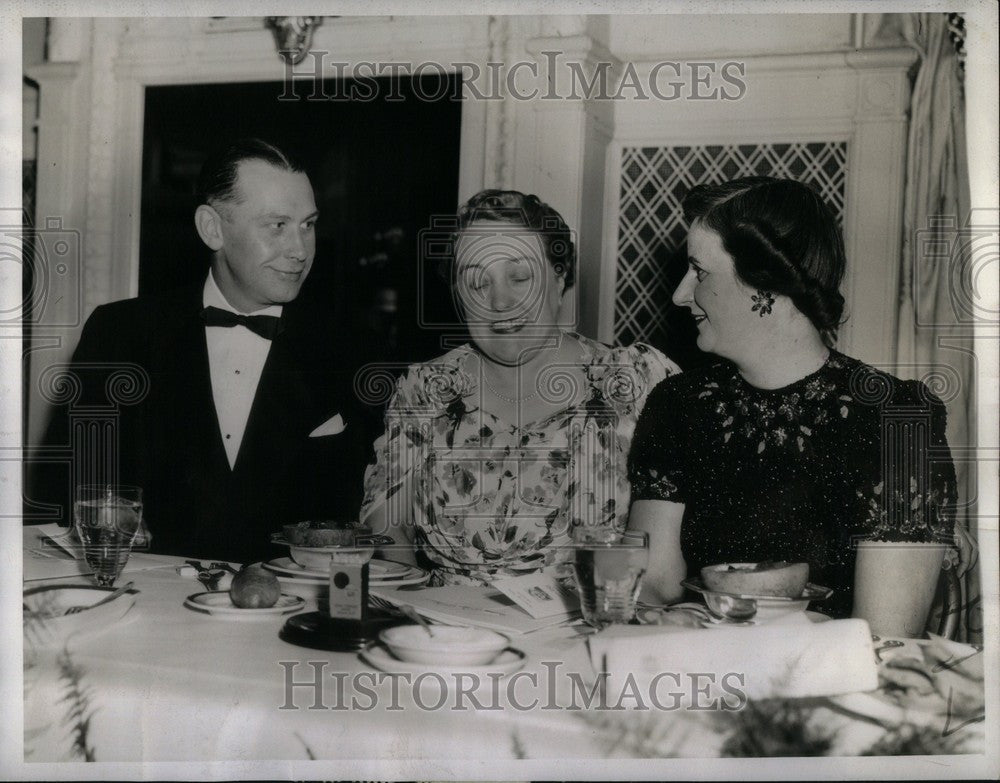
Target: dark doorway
<point x="380" y="169"/>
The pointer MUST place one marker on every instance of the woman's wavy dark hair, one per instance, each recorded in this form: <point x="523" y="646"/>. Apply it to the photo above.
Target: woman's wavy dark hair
<point x="516" y="208"/>
<point x="782" y="238"/>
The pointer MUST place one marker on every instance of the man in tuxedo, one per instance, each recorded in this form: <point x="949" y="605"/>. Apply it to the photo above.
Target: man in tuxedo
<point x="244" y="412"/>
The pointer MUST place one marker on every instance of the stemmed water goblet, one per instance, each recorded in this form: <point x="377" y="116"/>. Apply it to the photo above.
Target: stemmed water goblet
<point x="107" y="518"/>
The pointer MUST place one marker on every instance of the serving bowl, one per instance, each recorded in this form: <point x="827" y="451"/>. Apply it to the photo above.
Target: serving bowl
<point x="450" y="645"/>
<point x="324" y="533"/>
<point x="778" y="579"/>
<point x="357" y="549"/>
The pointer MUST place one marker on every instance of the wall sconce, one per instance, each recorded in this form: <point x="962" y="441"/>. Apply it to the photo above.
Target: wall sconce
<point x="293" y="35"/>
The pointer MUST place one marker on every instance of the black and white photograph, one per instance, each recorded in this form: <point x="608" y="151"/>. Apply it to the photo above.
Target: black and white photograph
<point x="621" y="375"/>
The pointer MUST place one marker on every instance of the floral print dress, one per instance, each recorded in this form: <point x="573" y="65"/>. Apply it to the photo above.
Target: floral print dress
<point x="488" y="497"/>
<point x="800" y="473"/>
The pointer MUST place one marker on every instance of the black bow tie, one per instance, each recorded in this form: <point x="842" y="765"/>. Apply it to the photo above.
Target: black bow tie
<point x="267" y="326"/>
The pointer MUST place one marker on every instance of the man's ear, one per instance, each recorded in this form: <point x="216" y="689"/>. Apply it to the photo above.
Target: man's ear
<point x="208" y="223"/>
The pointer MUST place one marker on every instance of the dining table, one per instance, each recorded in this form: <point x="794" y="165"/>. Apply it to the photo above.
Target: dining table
<point x="163" y="682"/>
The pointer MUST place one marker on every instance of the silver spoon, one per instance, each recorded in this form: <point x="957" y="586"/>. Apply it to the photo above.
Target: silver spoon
<point x="404" y="609"/>
<point x="414" y="615"/>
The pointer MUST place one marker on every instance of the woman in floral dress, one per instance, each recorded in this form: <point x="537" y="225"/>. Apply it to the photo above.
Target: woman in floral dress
<point x="787" y="449"/>
<point x="495" y="451"/>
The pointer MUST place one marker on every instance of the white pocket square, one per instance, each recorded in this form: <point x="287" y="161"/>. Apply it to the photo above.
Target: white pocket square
<point x="332" y="426"/>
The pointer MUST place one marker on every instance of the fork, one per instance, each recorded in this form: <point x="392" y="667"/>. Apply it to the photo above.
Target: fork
<point x="77" y="609"/>
<point x="404" y="609"/>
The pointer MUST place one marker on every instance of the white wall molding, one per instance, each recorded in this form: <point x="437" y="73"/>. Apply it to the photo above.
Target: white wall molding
<point x="499" y="150"/>
<point x="60" y="200"/>
<point x="177" y="50"/>
<point x="568" y="139"/>
<point x="109" y="275"/>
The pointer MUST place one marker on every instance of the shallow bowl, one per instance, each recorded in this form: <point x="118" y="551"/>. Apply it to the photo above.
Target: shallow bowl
<point x="449" y="646"/>
<point x="759" y="608"/>
<point x="784" y="580"/>
<point x="45" y="620"/>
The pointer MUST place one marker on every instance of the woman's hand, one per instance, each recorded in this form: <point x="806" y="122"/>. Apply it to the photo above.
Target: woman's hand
<point x="968" y="550"/>
<point x="661" y="519"/>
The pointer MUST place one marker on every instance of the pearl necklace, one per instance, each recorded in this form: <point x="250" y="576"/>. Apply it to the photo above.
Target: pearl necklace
<point x="504" y="397"/>
<point x="516" y="400"/>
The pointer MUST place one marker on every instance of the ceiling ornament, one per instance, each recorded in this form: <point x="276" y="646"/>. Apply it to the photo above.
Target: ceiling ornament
<point x="293" y="35"/>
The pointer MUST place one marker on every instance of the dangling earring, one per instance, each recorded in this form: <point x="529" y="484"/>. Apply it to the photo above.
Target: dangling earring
<point x="762" y="303"/>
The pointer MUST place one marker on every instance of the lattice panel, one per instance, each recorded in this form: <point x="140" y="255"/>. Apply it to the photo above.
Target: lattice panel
<point x="651" y="225"/>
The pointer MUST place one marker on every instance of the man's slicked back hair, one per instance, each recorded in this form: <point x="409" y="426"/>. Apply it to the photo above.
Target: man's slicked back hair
<point x="217" y="181"/>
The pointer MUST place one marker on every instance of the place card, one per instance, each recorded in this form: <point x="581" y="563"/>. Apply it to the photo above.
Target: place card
<point x="481" y="607"/>
<point x="59" y="542"/>
<point x="539" y="594"/>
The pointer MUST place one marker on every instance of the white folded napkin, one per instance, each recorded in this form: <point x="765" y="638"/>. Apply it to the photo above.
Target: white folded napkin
<point x="332" y="426"/>
<point x="780" y="659"/>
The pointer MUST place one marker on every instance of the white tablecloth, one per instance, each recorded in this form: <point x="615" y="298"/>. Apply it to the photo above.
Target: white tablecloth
<point x="166" y="683"/>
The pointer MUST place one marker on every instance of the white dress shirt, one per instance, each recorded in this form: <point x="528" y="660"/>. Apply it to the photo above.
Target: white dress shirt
<point x="236" y="359"/>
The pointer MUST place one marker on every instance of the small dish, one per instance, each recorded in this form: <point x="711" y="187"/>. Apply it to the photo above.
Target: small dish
<point x="450" y="645"/>
<point x="760" y="608"/>
<point x="46" y="621"/>
<point x="507" y="662"/>
<point x="219" y="604"/>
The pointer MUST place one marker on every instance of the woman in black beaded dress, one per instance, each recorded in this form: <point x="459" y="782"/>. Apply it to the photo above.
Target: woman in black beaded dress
<point x="786" y="449"/>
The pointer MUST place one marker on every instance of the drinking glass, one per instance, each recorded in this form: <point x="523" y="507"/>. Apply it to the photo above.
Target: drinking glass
<point x="107" y="518"/>
<point x="609" y="566"/>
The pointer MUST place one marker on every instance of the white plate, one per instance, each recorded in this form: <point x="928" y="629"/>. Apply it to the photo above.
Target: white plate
<point x="510" y="661"/>
<point x="812" y="617"/>
<point x="47" y="624"/>
<point x="381" y="572"/>
<point x="285" y="566"/>
<point x="768" y="607"/>
<point x="309" y="589"/>
<point x="811" y="592"/>
<point x="377" y="569"/>
<point x="693" y="617"/>
<point x="219" y="604"/>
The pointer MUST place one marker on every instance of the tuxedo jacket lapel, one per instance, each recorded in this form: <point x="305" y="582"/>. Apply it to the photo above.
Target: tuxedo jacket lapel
<point x="291" y="475"/>
<point x="187" y="384"/>
<point x="281" y="406"/>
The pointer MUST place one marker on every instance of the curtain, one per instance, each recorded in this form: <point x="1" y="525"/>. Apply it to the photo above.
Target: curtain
<point x="935" y="342"/>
